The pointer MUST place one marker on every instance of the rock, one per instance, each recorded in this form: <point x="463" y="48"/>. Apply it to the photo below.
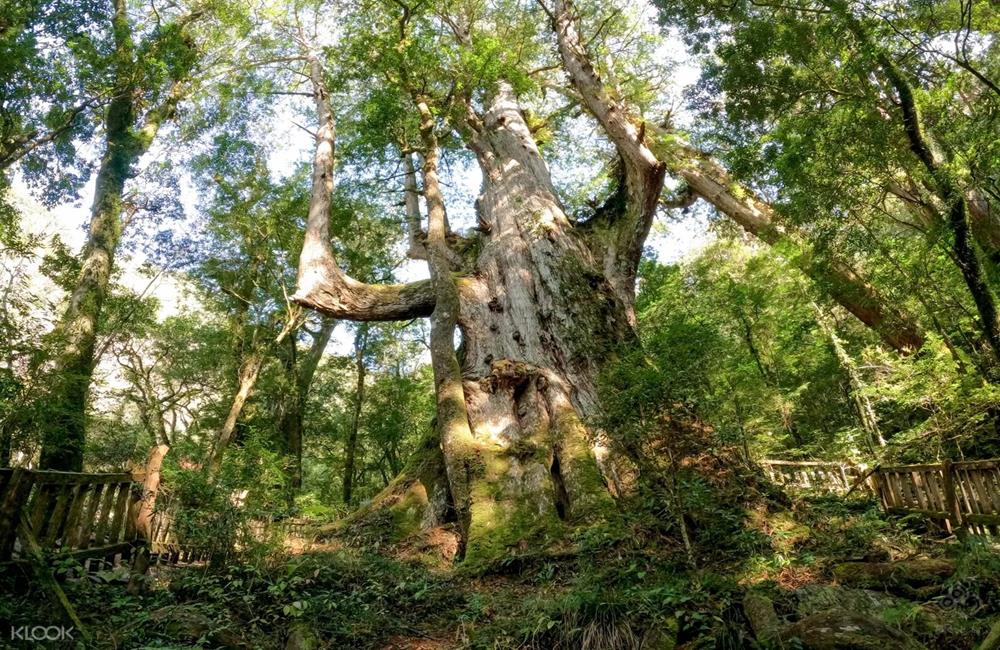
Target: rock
<point x="301" y="637"/>
<point x="813" y="598"/>
<point x="190" y="624"/>
<point x="837" y="629"/>
<point x="924" y="621"/>
<point x="661" y="637"/>
<point x="904" y="576"/>
<point x="760" y="612"/>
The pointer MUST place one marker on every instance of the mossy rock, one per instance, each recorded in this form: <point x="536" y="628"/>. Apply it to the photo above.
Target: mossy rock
<point x="904" y="576"/>
<point x="838" y="629"/>
<point x="301" y="636"/>
<point x="190" y="624"/>
<point x="814" y="598"/>
<point x="662" y="636"/>
<point x="759" y="610"/>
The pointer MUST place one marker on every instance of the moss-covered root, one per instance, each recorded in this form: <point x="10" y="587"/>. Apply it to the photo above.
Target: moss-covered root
<point x="416" y="500"/>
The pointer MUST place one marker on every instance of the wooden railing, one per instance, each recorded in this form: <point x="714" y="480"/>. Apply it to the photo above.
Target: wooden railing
<point x="166" y="546"/>
<point x="97" y="516"/>
<point x="961" y="496"/>
<point x="824" y="476"/>
<point x="82" y="515"/>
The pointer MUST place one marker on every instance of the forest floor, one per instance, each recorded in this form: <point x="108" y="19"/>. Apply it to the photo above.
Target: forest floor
<point x="832" y="574"/>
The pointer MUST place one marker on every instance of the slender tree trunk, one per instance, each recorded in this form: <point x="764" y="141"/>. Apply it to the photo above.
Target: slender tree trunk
<point x="251" y="358"/>
<point x="63" y="438"/>
<point x="249" y="372"/>
<point x="6" y="441"/>
<point x="144" y="516"/>
<point x="351" y="445"/>
<point x="863" y="405"/>
<point x="126" y="140"/>
<point x="291" y="424"/>
<point x="770" y="377"/>
<point x="940" y="179"/>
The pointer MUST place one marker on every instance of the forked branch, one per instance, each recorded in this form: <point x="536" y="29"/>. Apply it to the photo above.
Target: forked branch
<point x="321" y="284"/>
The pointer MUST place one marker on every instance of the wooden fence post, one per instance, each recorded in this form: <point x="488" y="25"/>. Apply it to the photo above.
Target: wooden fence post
<point x="843" y="477"/>
<point x="15" y="498"/>
<point x="44" y="575"/>
<point x="882" y="489"/>
<point x="951" y="500"/>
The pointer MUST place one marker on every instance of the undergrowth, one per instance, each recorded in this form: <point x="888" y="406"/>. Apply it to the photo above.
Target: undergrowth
<point x="627" y="584"/>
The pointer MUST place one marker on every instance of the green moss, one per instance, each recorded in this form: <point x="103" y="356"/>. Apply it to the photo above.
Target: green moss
<point x="526" y="451"/>
<point x="408" y="512"/>
<point x="502" y="531"/>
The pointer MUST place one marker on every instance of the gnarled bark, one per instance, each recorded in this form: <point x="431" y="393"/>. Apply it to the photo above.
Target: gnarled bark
<point x="538" y="321"/>
<point x="547" y="305"/>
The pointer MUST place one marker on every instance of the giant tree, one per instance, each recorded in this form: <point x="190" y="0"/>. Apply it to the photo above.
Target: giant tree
<point x="541" y="302"/>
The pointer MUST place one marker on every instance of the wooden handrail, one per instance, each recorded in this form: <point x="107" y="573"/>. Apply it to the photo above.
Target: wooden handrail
<point x="964" y="496"/>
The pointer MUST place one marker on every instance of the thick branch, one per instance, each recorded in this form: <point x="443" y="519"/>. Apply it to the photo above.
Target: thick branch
<point x="613" y="115"/>
<point x="643" y="171"/>
<point x="457" y="441"/>
<point x="957" y="209"/>
<point x="834" y="276"/>
<point x="415" y="236"/>
<point x="622" y="247"/>
<point x="321" y="285"/>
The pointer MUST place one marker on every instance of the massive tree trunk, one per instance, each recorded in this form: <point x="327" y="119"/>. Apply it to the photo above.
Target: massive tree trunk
<point x="127" y="138"/>
<point x="538" y="318"/>
<point x="542" y="306"/>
